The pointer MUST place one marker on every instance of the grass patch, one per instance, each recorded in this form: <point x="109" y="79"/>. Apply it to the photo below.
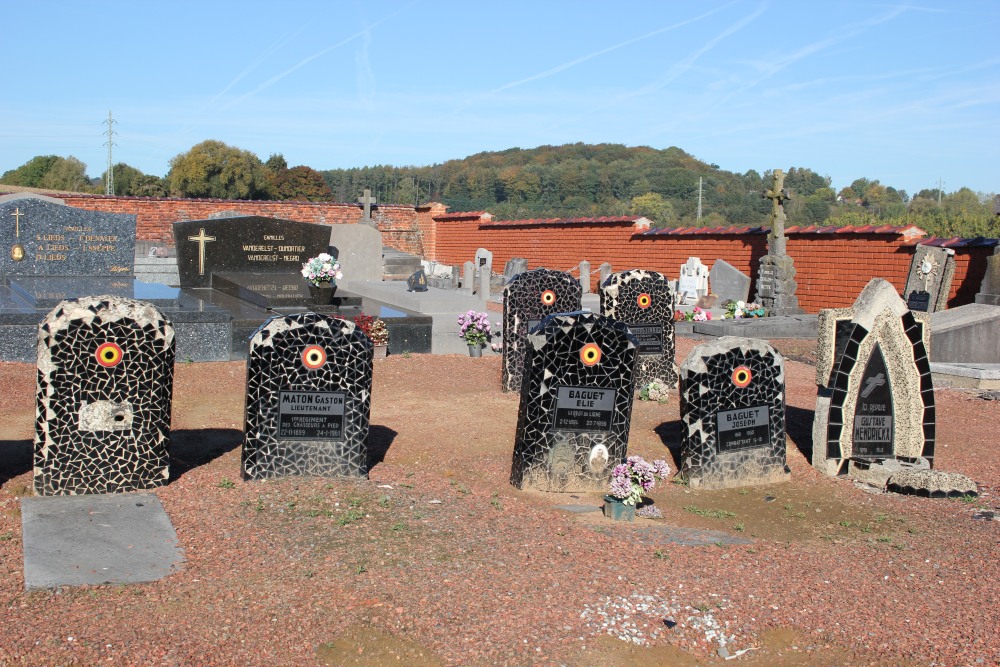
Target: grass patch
<point x="714" y="514"/>
<point x="350" y="517"/>
<point x="227" y="483"/>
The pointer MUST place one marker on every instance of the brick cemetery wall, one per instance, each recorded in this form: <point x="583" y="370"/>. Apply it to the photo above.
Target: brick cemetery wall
<point x="105" y="379"/>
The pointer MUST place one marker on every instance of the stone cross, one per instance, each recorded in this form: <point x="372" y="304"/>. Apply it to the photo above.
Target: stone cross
<point x="367" y="200"/>
<point x="201" y="239"/>
<point x="778" y="195"/>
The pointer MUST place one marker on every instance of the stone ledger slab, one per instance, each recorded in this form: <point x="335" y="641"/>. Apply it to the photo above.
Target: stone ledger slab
<point x="97" y="539"/>
<point x="766" y="328"/>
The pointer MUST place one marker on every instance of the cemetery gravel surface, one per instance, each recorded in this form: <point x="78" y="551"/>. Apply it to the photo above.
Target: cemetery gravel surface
<point x="436" y="559"/>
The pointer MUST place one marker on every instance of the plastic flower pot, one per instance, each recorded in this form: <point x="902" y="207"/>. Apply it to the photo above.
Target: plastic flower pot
<point x="616" y="510"/>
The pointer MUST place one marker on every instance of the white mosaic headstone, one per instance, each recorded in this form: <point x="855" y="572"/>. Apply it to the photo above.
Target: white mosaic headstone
<point x="693" y="281"/>
<point x="875" y="399"/>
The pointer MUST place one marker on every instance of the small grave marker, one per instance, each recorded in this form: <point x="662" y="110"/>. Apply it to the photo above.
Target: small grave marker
<point x="104" y="388"/>
<point x="733" y="414"/>
<point x="417" y="282"/>
<point x="308" y="401"/>
<point x="693" y="281"/>
<point x="644" y="300"/>
<point x="527" y="299"/>
<point x="576" y="403"/>
<point x="929" y="280"/>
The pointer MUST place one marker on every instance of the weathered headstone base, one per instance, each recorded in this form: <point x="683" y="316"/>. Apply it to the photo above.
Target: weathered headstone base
<point x="932" y="484"/>
<point x="736" y="469"/>
<point x="573" y="463"/>
<point x="776" y="286"/>
<point x="877" y="473"/>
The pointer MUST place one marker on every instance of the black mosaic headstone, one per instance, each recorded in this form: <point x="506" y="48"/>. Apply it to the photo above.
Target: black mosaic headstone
<point x="576" y="403"/>
<point x="40" y="237"/>
<point x="732" y="394"/>
<point x="527" y="299"/>
<point x="644" y="300"/>
<point x="252" y="258"/>
<point x="875" y="398"/>
<point x="308" y="402"/>
<point x="105" y="379"/>
<point x="417" y="282"/>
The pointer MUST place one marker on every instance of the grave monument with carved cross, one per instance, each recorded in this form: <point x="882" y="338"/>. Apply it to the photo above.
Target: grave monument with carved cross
<point x="776" y="282"/>
<point x="367" y="200"/>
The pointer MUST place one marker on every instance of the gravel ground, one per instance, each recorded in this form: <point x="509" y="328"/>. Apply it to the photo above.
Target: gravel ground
<point x="436" y="559"/>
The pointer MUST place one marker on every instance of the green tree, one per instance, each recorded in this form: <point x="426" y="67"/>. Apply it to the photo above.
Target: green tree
<point x="67" y="174"/>
<point x="214" y="169"/>
<point x="31" y="173"/>
<point x="300" y="184"/>
<point x="656" y="207"/>
<point x="131" y="182"/>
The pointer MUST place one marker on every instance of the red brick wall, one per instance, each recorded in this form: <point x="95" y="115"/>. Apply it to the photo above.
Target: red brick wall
<point x="831" y="268"/>
<point x="155" y="216"/>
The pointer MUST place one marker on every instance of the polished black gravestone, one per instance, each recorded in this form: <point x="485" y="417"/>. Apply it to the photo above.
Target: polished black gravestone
<point x="732" y="393"/>
<point x="875" y="397"/>
<point x="252" y="258"/>
<point x="308" y="401"/>
<point x="417" y="282"/>
<point x="104" y="387"/>
<point x="644" y="300"/>
<point x="576" y="403"/>
<point x="528" y="298"/>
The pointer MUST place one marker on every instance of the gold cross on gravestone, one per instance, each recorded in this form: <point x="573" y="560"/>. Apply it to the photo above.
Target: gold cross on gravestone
<point x="17" y="250"/>
<point x="201" y="239"/>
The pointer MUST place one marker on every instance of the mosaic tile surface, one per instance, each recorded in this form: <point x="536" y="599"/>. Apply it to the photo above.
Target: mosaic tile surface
<point x="308" y="402"/>
<point x="645" y="301"/>
<point x="876" y="347"/>
<point x="103" y="396"/>
<point x="527" y="300"/>
<point x="576" y="403"/>
<point x="732" y="406"/>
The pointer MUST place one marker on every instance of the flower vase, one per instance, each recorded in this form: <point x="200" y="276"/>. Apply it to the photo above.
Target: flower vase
<point x="380" y="351"/>
<point x="322" y="295"/>
<point x="475" y="350"/>
<point x="616" y="510"/>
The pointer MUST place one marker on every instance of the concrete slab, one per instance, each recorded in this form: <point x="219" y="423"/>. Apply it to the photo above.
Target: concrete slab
<point x="97" y="539"/>
<point x="765" y="328"/>
<point x="967" y="376"/>
<point x="966" y="334"/>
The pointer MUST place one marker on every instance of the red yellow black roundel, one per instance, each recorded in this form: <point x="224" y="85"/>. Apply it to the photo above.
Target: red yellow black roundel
<point x="742" y="376"/>
<point x="644" y="300"/>
<point x="548" y="297"/>
<point x="313" y="357"/>
<point x="590" y="355"/>
<point x="109" y="355"/>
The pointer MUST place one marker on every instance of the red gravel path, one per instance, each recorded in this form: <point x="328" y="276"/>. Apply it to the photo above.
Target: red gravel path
<point x="311" y="571"/>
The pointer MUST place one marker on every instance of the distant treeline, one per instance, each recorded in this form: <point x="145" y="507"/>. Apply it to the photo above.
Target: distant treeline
<point x="668" y="186"/>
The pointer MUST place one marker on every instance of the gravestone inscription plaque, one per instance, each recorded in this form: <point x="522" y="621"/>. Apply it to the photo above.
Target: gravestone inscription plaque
<point x="308" y="401"/>
<point x="104" y="387"/>
<point x="644" y="300"/>
<point x="576" y="403"/>
<point x="875" y="398"/>
<point x="250" y="257"/>
<point x="41" y="237"/>
<point x="527" y="299"/>
<point x="732" y="394"/>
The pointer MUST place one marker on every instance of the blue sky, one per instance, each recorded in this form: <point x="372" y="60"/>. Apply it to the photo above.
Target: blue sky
<point x="902" y="92"/>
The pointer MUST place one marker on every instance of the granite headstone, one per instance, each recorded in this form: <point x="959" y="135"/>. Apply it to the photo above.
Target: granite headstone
<point x="308" y="400"/>
<point x="732" y="408"/>
<point x="576" y="403"/>
<point x="514" y="266"/>
<point x="417" y="282"/>
<point x="729" y="283"/>
<point x="928" y="282"/>
<point x="644" y="300"/>
<point x="693" y="281"/>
